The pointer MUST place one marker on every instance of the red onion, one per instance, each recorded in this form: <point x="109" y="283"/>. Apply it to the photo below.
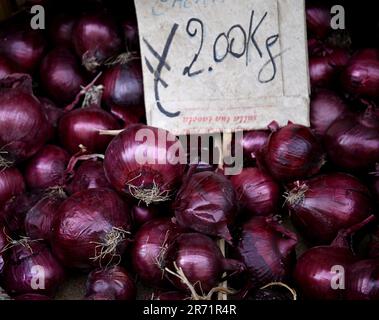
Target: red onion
<point x="322" y="206"/>
<point x="32" y="297"/>
<point x="318" y="19"/>
<point x="11" y="184"/>
<point x="39" y="219"/>
<point x="149" y="169"/>
<point x="363" y="281"/>
<point x="32" y="269"/>
<point x="123" y="87"/>
<point x="142" y="214"/>
<point x="23" y="124"/>
<point x="89" y="175"/>
<point x="61" y="75"/>
<point x="197" y="260"/>
<point x="150" y="243"/>
<point x="353" y="141"/>
<point x="96" y="38"/>
<point x="314" y="274"/>
<point x="23" y="46"/>
<point x="53" y="114"/>
<point x="361" y="75"/>
<point x="46" y="168"/>
<point x="114" y="281"/>
<point x="130" y="30"/>
<point x="206" y="203"/>
<point x="293" y="152"/>
<point x="127" y="116"/>
<point x="90" y="229"/>
<point x="253" y="142"/>
<point x="257" y="192"/>
<point x="267" y="249"/>
<point x="6" y="67"/>
<point x="3" y="243"/>
<point x="82" y="126"/>
<point x="326" y="107"/>
<point x="61" y="29"/>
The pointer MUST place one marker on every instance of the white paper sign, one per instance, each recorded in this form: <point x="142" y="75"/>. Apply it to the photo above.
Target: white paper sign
<point x="223" y="65"/>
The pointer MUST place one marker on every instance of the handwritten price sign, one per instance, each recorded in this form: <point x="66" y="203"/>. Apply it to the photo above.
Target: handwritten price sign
<point x="223" y="65"/>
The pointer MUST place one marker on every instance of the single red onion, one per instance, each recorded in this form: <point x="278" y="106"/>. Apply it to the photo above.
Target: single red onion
<point x="318" y="19"/>
<point x="363" y="280"/>
<point x="257" y="193"/>
<point x="142" y="214"/>
<point x="322" y="206"/>
<point x="23" y="46"/>
<point x="39" y="219"/>
<point x="61" y="29"/>
<point x="32" y="268"/>
<point x="82" y="126"/>
<point x="361" y="75"/>
<point x="96" y="38"/>
<point x="89" y="175"/>
<point x="145" y="162"/>
<point x="293" y="152"/>
<point x="130" y="30"/>
<point x="115" y="281"/>
<point x="317" y="269"/>
<point x="206" y="203"/>
<point x="61" y="75"/>
<point x="11" y="184"/>
<point x="197" y="260"/>
<point x="46" y="168"/>
<point x="252" y="143"/>
<point x="32" y="297"/>
<point x="267" y="249"/>
<point x="23" y="124"/>
<point x="326" y="107"/>
<point x="91" y="229"/>
<point x="6" y="67"/>
<point x="353" y="141"/>
<point x="128" y="116"/>
<point x="150" y="243"/>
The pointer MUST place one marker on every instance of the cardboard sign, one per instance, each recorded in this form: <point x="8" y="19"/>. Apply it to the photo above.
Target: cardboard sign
<point x="223" y="65"/>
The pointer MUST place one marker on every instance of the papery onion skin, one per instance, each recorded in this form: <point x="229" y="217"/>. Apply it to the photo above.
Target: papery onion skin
<point x="318" y="19"/>
<point x="6" y="67"/>
<point x="96" y="38"/>
<point x="313" y="273"/>
<point x="53" y="114"/>
<point x="268" y="251"/>
<point x="114" y="281"/>
<point x="19" y="272"/>
<point x="130" y="30"/>
<point x="61" y="75"/>
<point x="257" y="193"/>
<point x="83" y="221"/>
<point x="23" y="124"/>
<point x="11" y="184"/>
<point x="293" y="152"/>
<point x="325" y="108"/>
<point x="363" y="280"/>
<point x="61" y="29"/>
<point x="46" y="168"/>
<point x="148" y="248"/>
<point x="201" y="261"/>
<point x="89" y="175"/>
<point x="23" y="46"/>
<point x="207" y="203"/>
<point x="82" y="126"/>
<point x="322" y="206"/>
<point x="162" y="169"/>
<point x="361" y="75"/>
<point x="351" y="136"/>
<point x="252" y="143"/>
<point x="142" y="214"/>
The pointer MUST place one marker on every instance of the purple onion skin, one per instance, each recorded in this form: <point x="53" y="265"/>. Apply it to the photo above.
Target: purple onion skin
<point x="313" y="273"/>
<point x="206" y="203"/>
<point x="268" y="251"/>
<point x="293" y="152"/>
<point x="148" y="247"/>
<point x="142" y="214"/>
<point x="253" y="142"/>
<point x="53" y="114"/>
<point x="11" y="184"/>
<point x="46" y="168"/>
<point x="326" y="107"/>
<point x="61" y="75"/>
<point x="324" y="205"/>
<point x="318" y="19"/>
<point x="32" y="297"/>
<point x="363" y="280"/>
<point x="84" y="219"/>
<point x="81" y="127"/>
<point x="257" y="192"/>
<point x="130" y="30"/>
<point x="61" y="29"/>
<point x="114" y="281"/>
<point x="351" y="136"/>
<point x="19" y="273"/>
<point x="89" y="175"/>
<point x="361" y="75"/>
<point x="6" y="67"/>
